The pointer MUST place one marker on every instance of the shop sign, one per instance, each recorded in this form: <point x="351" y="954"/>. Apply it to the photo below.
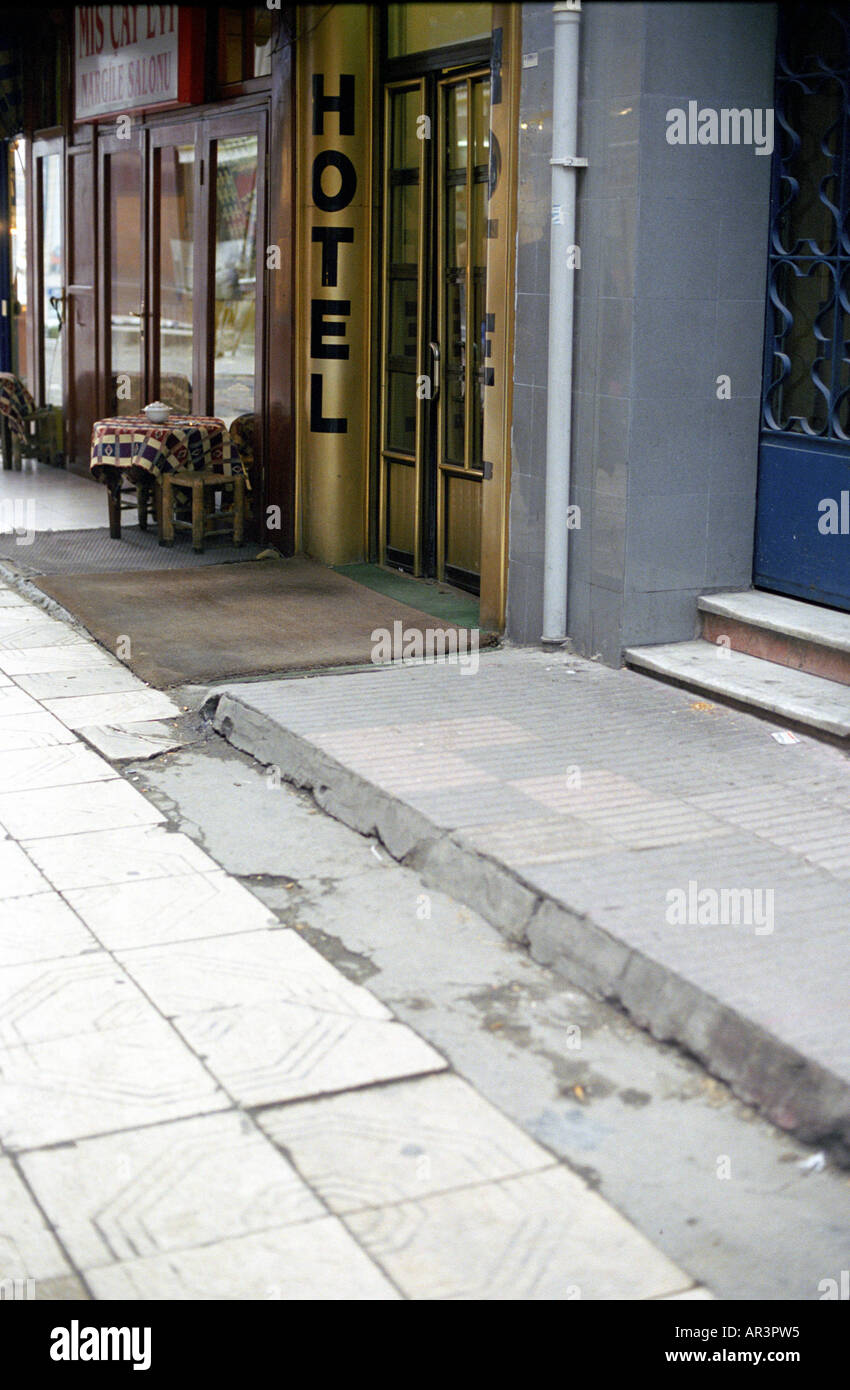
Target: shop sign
<point x="135" y="58"/>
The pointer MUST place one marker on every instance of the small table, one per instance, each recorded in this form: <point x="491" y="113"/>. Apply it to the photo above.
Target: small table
<point x="131" y="449"/>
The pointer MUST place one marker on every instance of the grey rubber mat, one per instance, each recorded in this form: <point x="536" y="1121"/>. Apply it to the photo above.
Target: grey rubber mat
<point x="95" y="552"/>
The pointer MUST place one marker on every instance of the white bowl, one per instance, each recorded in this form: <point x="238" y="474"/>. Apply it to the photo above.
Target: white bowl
<point x="158" y="412"/>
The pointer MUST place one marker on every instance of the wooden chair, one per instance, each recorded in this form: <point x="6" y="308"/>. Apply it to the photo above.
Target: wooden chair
<point x="206" y="521"/>
<point x="37" y="433"/>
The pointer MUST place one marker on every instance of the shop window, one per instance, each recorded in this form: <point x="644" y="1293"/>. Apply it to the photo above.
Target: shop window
<point x="18" y="240"/>
<point x="244" y="45"/>
<point x="418" y="28"/>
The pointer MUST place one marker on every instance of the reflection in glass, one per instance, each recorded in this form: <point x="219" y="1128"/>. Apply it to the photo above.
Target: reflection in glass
<point x="176" y="273"/>
<point x="52" y="250"/>
<point x="18" y="234"/>
<point x="235" y="276"/>
<point x="125" y="281"/>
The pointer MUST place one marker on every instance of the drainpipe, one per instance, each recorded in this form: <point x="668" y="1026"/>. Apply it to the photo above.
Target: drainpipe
<point x="559" y="381"/>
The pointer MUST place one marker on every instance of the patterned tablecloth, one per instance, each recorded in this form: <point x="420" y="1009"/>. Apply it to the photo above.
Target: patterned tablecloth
<point x="16" y="403"/>
<point x="138" y="447"/>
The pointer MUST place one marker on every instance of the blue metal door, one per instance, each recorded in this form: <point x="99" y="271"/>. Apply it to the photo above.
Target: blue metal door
<point x="803" y="505"/>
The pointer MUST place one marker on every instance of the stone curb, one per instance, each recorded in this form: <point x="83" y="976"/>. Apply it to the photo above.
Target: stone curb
<point x="794" y="1092"/>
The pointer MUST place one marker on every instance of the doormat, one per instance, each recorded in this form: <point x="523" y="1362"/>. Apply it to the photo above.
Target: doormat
<point x="260" y="618"/>
<point x="95" y="552"/>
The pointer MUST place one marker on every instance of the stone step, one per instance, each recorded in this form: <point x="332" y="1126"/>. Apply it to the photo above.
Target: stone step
<point x="803" y="636"/>
<point x="790" y="695"/>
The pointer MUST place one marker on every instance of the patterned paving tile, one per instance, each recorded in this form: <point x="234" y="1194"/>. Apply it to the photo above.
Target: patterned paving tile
<point x="388" y="1143"/>
<point x="159" y="910"/>
<point x="28" y="1250"/>
<point x="169" y="1187"/>
<point x="40" y="927"/>
<point x="72" y="1087"/>
<point x="622" y="808"/>
<point x="116" y="856"/>
<point x="18" y="874"/>
<point x="115" y="707"/>
<point x="539" y="1236"/>
<point x="67" y="997"/>
<point x="39" y="631"/>
<point x="316" y="1260"/>
<point x="285" y="1052"/>
<point x="85" y="806"/>
<point x="233" y="971"/>
<point x="27" y="769"/>
<point x="546" y="840"/>
<point x="76" y="656"/>
<point x="39" y="730"/>
<point x="13" y="700"/>
<point x="98" y="680"/>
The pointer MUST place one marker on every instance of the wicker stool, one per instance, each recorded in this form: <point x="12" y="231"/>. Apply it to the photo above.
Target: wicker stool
<point x="205" y="521"/>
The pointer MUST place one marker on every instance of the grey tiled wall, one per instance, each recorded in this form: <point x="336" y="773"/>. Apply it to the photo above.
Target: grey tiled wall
<point x="670" y="295"/>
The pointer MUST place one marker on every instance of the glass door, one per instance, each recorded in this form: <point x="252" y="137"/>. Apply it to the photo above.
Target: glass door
<point x="49" y="310"/>
<point x="124" y="291"/>
<point x="174" y="363"/>
<point x="434" y="324"/>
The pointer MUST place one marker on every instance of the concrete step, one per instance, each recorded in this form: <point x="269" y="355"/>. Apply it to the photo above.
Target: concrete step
<point x="802" y="636"/>
<point x="791" y="695"/>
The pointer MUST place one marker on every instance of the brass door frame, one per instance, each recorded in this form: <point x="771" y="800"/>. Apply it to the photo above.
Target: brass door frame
<point x="387" y="454"/>
<point x="441" y="467"/>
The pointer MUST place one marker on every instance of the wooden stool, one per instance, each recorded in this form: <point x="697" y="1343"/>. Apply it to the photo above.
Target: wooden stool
<point x="205" y="521"/>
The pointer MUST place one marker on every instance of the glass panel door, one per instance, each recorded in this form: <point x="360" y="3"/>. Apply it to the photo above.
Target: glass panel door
<point x="125" y="279"/>
<point x="462" y="177"/>
<point x="18" y="238"/>
<point x="235" y="271"/>
<point x="403" y="388"/>
<point x="50" y="275"/>
<point x="173" y="300"/>
<point x="434" y="325"/>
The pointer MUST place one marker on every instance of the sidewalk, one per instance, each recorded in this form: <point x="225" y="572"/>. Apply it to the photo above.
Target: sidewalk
<point x="193" y="1102"/>
<point x="664" y="852"/>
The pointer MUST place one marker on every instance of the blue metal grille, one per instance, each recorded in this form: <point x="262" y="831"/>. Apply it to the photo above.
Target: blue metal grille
<point x="807" y="352"/>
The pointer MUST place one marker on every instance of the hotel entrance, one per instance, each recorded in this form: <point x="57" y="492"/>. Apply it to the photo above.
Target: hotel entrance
<point x="434" y="339"/>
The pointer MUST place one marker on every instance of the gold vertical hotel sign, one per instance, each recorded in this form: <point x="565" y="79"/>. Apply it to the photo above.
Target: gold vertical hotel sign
<point x="334" y="182"/>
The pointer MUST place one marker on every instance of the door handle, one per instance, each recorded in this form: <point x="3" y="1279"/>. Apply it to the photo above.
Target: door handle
<point x="435" y="373"/>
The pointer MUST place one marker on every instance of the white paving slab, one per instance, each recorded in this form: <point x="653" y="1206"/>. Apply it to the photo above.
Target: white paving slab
<point x="77" y="656"/>
<point x="28" y="1249"/>
<point x="180" y="908"/>
<point x="67" y="998"/>
<point x="287" y="1051"/>
<point x="16" y="701"/>
<point x="82" y="807"/>
<point x="40" y="927"/>
<point x="313" y="1261"/>
<point x="18" y="874"/>
<point x="171" y="1187"/>
<point x="96" y="680"/>
<point x="260" y="968"/>
<point x="778" y="690"/>
<point x="131" y="742"/>
<point x="121" y="706"/>
<point x="9" y="598"/>
<point x="122" y="1078"/>
<point x="117" y="856"/>
<point x="388" y="1143"/>
<point x="40" y="631"/>
<point x="59" y="765"/>
<point x="540" y="1236"/>
<point x="38" y="730"/>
